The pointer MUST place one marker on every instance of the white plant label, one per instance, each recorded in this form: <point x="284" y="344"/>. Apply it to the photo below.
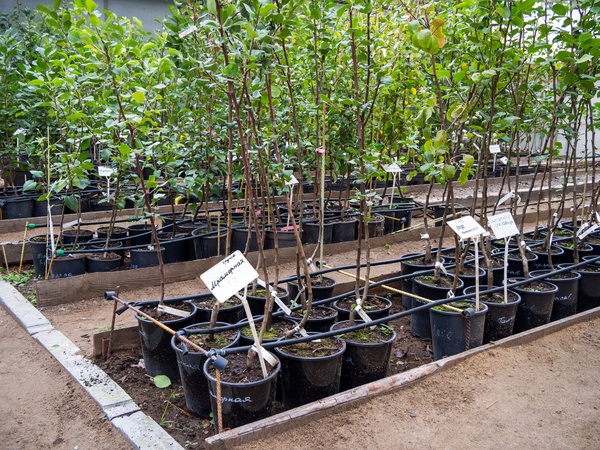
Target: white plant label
<point x="104" y="171"/>
<point x="229" y="276"/>
<point x="173" y="311"/>
<point x="504" y="160"/>
<point x="293" y="181"/>
<point x="187" y="31"/>
<point x="361" y="312"/>
<point x="503" y="225"/>
<point x="494" y="148"/>
<point x="588" y="231"/>
<point x="393" y="168"/>
<point x="466" y="227"/>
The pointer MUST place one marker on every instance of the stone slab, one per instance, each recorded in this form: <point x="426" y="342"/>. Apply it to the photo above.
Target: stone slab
<point x="144" y="433"/>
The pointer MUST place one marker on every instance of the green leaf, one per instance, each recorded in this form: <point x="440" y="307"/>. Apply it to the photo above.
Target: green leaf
<point x="139" y="96"/>
<point x="266" y="9"/>
<point x="560" y="10"/>
<point x="90" y="6"/>
<point x="252" y="34"/>
<point x="162" y="381"/>
<point x="94" y="20"/>
<point x="29" y="185"/>
<point x="424" y="39"/>
<point x="211" y="6"/>
<point x="124" y="149"/>
<point x="448" y="171"/>
<point x="584" y="58"/>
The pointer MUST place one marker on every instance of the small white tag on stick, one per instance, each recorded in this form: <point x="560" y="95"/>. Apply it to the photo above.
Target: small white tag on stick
<point x="173" y="311"/>
<point x="265" y="354"/>
<point x="361" y="312"/>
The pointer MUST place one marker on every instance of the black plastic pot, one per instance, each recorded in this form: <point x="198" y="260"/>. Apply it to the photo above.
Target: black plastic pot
<point x="364" y="362"/>
<point x="232" y="314"/>
<point x="307" y="379"/>
<point x="535" y="308"/>
<point x="565" y="299"/>
<point x="16" y="207"/>
<point x="420" y="324"/>
<point x="114" y="246"/>
<point x="542" y="262"/>
<point x="67" y="266"/>
<point x="284" y="239"/>
<point x="239" y="238"/>
<point x="344" y="230"/>
<point x="587" y="250"/>
<point x="257" y="302"/>
<point x="242" y="403"/>
<point x="344" y="314"/>
<point x="40" y="208"/>
<point x="376" y="225"/>
<point x="144" y="257"/>
<point x="310" y="232"/>
<point x="159" y="357"/>
<point x="207" y="245"/>
<point x="408" y="267"/>
<point x="500" y="317"/>
<point x="438" y="212"/>
<point x="95" y="263"/>
<point x="140" y="234"/>
<point x="191" y="363"/>
<point x="588" y="293"/>
<point x="453" y="332"/>
<point x="469" y="280"/>
<point x="176" y="248"/>
<point x="319" y="292"/>
<point x="39" y="252"/>
<point x="515" y="264"/>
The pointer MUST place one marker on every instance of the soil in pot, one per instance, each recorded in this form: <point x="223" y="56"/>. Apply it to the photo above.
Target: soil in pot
<point x="159" y="357"/>
<point x="246" y="396"/>
<point x="75" y="236"/>
<point x="140" y="234"/>
<point x="117" y="232"/>
<point x="322" y="288"/>
<point x="321" y="318"/>
<point x="280" y="326"/>
<point x="453" y="332"/>
<point x="310" y="370"/>
<point x="376" y="307"/>
<point x="191" y="362"/>
<point x="367" y="354"/>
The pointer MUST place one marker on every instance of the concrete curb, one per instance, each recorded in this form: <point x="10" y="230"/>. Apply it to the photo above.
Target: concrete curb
<point x="125" y="415"/>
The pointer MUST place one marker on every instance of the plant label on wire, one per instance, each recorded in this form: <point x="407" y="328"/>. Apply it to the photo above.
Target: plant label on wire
<point x="503" y="225"/>
<point x="228" y="277"/>
<point x="292" y="182"/>
<point x="466" y="227"/>
<point x="494" y="149"/>
<point x="393" y="168"/>
<point x="105" y="171"/>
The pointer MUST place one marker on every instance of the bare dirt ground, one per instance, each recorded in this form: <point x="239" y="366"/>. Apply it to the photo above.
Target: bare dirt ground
<point x="541" y="395"/>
